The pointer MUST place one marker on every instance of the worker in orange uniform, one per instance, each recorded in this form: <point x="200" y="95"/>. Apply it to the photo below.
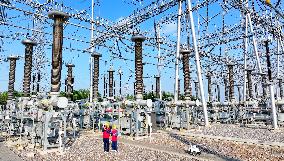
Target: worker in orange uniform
<point x="114" y="134"/>
<point x="106" y="133"/>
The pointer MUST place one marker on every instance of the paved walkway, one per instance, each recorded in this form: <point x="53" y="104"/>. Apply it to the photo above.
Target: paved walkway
<point x="173" y="151"/>
<point x="7" y="155"/>
<point x="231" y="139"/>
<point x="166" y="149"/>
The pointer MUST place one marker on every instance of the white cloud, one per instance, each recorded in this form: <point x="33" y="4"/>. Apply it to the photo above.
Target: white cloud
<point x="119" y="19"/>
<point x="170" y="28"/>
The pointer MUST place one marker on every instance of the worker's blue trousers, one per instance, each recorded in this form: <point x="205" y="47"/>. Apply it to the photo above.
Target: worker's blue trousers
<point x="114" y="145"/>
<point x="106" y="144"/>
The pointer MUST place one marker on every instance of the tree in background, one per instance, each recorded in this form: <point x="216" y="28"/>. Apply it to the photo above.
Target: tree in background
<point x="3" y="98"/>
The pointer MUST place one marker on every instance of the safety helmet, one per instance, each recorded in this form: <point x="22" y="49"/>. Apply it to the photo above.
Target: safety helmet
<point x="113" y="126"/>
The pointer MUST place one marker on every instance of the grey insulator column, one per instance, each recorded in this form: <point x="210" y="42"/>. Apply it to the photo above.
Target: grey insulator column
<point x="196" y="89"/>
<point x="96" y="70"/>
<point x="226" y="87"/>
<point x="138" y="39"/>
<point x="134" y="88"/>
<point x="280" y="81"/>
<point x="110" y="82"/>
<point x="231" y="82"/>
<point x="37" y="83"/>
<point x="186" y="73"/>
<point x="70" y="80"/>
<point x="239" y="93"/>
<point x="114" y="88"/>
<point x="120" y="84"/>
<point x="264" y="85"/>
<point x="13" y="60"/>
<point x="104" y="86"/>
<point x="249" y="71"/>
<point x="29" y="44"/>
<point x="178" y="89"/>
<point x="157" y="85"/>
<point x="219" y="93"/>
<point x="59" y="18"/>
<point x="209" y="76"/>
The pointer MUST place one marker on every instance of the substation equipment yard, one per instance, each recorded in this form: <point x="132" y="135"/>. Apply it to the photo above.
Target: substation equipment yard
<point x="226" y="55"/>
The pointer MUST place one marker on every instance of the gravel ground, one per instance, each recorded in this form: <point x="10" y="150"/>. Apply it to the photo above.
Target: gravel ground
<point x="88" y="148"/>
<point x="240" y="151"/>
<point x="242" y="132"/>
<point x="223" y="149"/>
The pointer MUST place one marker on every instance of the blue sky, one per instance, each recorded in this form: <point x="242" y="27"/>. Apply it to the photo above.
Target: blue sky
<point x="113" y="10"/>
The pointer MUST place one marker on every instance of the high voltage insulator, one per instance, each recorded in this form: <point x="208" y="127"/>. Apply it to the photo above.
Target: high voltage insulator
<point x="13" y="61"/>
<point x="209" y="76"/>
<point x="29" y="44"/>
<point x="70" y="81"/>
<point x="157" y="85"/>
<point x="249" y="81"/>
<point x="96" y="70"/>
<point x="59" y="18"/>
<point x="280" y="84"/>
<point x="138" y="39"/>
<point x="231" y="82"/>
<point x="110" y="79"/>
<point x="186" y="73"/>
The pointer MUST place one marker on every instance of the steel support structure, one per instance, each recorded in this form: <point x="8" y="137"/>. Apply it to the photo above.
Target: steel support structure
<point x="178" y="50"/>
<point x="198" y="66"/>
<point x="271" y="87"/>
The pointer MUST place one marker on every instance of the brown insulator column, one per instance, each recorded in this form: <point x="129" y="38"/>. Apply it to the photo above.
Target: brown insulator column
<point x="138" y="39"/>
<point x="249" y="71"/>
<point x="209" y="75"/>
<point x="11" y="83"/>
<point x="70" y="80"/>
<point x="280" y="87"/>
<point x="157" y="86"/>
<point x="231" y="82"/>
<point x="96" y="70"/>
<point x="264" y="84"/>
<point x="110" y="82"/>
<point x="186" y="73"/>
<point x="29" y="44"/>
<point x="59" y="18"/>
